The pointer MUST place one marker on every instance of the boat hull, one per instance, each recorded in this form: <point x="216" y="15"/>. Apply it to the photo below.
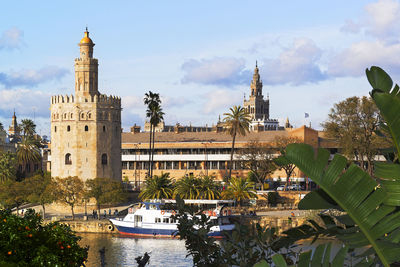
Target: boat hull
<point x="154" y="232"/>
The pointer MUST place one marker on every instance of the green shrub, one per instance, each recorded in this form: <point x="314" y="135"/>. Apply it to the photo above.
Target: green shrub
<point x="25" y="241"/>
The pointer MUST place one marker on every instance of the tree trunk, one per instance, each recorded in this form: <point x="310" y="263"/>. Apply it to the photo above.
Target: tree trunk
<point x="151" y="129"/>
<point x="73" y="214"/>
<point x="44" y="211"/>
<point x="152" y="149"/>
<point x="231" y="162"/>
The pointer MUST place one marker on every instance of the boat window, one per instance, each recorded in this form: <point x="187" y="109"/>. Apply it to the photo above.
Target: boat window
<point x="171" y="220"/>
<point x="138" y="218"/>
<point x="165" y="220"/>
<point x="153" y="207"/>
<point x="157" y="220"/>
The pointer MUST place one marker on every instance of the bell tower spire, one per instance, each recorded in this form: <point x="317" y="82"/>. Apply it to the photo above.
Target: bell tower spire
<point x="86" y="69"/>
<point x="256" y="83"/>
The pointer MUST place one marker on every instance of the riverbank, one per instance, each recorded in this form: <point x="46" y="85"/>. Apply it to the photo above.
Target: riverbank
<point x="281" y="220"/>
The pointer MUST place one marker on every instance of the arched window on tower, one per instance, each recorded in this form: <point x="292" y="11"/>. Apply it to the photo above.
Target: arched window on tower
<point x="104" y="128"/>
<point x="90" y="115"/>
<point x="68" y="128"/>
<point x="104" y="159"/>
<point x="83" y="115"/>
<point x="68" y="160"/>
<point x="86" y="128"/>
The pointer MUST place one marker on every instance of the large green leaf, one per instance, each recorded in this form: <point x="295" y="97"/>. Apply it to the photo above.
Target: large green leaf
<point x="317" y="200"/>
<point x="357" y="193"/>
<point x="389" y="107"/>
<point x="379" y="79"/>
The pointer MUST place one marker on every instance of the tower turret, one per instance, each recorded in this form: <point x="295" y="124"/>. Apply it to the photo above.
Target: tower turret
<point x="86" y="69"/>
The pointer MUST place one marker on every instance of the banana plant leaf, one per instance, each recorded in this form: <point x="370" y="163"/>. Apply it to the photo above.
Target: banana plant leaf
<point x="357" y="193"/>
<point x="320" y="258"/>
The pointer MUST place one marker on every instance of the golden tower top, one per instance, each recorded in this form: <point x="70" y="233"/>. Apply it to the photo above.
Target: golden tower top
<point x="86" y="39"/>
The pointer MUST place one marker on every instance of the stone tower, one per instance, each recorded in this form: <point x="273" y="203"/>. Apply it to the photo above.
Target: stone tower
<point x="14" y="129"/>
<point x="256" y="106"/>
<point x="86" y="127"/>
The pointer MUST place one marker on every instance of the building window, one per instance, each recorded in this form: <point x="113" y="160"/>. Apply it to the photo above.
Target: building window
<point x="55" y="129"/>
<point x="104" y="128"/>
<point x="90" y="115"/>
<point x="104" y="159"/>
<point x="71" y="115"/>
<point x="83" y="116"/>
<point x="68" y="128"/>
<point x="68" y="160"/>
<point x="86" y="128"/>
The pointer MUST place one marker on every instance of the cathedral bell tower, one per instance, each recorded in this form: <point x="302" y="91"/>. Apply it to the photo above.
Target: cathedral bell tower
<point x="86" y="69"/>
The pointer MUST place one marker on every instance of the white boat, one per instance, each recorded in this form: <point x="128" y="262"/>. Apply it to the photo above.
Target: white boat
<point x="153" y="218"/>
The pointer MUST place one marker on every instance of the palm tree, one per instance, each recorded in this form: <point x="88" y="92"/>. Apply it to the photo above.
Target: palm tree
<point x="28" y="151"/>
<point x="208" y="188"/>
<point x="157" y="187"/>
<point x="1" y="127"/>
<point x="187" y="188"/>
<point x="236" y="122"/>
<point x="239" y="189"/>
<point x="28" y="127"/>
<point x="155" y="114"/>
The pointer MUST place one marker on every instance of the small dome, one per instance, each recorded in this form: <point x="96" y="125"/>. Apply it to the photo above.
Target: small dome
<point x="86" y="39"/>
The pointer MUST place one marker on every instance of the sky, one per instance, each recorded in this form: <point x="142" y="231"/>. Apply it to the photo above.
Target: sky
<point x="198" y="55"/>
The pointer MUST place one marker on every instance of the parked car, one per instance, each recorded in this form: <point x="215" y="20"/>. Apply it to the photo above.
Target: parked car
<point x="296" y="187"/>
<point x="280" y="188"/>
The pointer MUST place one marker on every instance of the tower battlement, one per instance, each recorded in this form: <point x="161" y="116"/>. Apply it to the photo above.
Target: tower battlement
<point x="101" y="98"/>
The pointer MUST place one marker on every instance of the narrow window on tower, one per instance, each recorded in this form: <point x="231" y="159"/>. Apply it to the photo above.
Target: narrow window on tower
<point x="68" y="128"/>
<point x="68" y="160"/>
<point x="86" y="128"/>
<point x="55" y="129"/>
<point x="104" y="159"/>
<point x="104" y="128"/>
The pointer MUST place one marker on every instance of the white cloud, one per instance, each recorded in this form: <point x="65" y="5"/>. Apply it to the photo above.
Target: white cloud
<point x="221" y="100"/>
<point x="31" y="78"/>
<point x="354" y="60"/>
<point x="25" y="102"/>
<point x="170" y="102"/>
<point x="11" y="38"/>
<point x="382" y="18"/>
<point x="223" y="71"/>
<point x="295" y="65"/>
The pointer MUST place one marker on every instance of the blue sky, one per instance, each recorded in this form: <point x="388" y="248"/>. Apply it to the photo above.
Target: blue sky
<point x="199" y="55"/>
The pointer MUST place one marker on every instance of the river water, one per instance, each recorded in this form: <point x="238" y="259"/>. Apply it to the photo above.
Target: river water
<point x="122" y="251"/>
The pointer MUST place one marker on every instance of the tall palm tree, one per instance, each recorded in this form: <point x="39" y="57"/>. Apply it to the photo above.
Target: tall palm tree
<point x="239" y="189"/>
<point x="28" y="151"/>
<point x="236" y="122"/>
<point x="187" y="188"/>
<point x="155" y="115"/>
<point x="157" y="187"/>
<point x="208" y="188"/>
<point x="28" y="127"/>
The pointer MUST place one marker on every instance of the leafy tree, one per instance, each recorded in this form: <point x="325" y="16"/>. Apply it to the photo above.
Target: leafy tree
<point x="105" y="191"/>
<point x="208" y="188"/>
<point x="70" y="191"/>
<point x="8" y="166"/>
<point x="283" y="163"/>
<point x="239" y="189"/>
<point x="259" y="159"/>
<point x="156" y="115"/>
<point x="188" y="187"/>
<point x="41" y="190"/>
<point x="25" y="242"/>
<point x="157" y="187"/>
<point x="13" y="194"/>
<point x="353" y="122"/>
<point x="236" y="122"/>
<point x="28" y="127"/>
